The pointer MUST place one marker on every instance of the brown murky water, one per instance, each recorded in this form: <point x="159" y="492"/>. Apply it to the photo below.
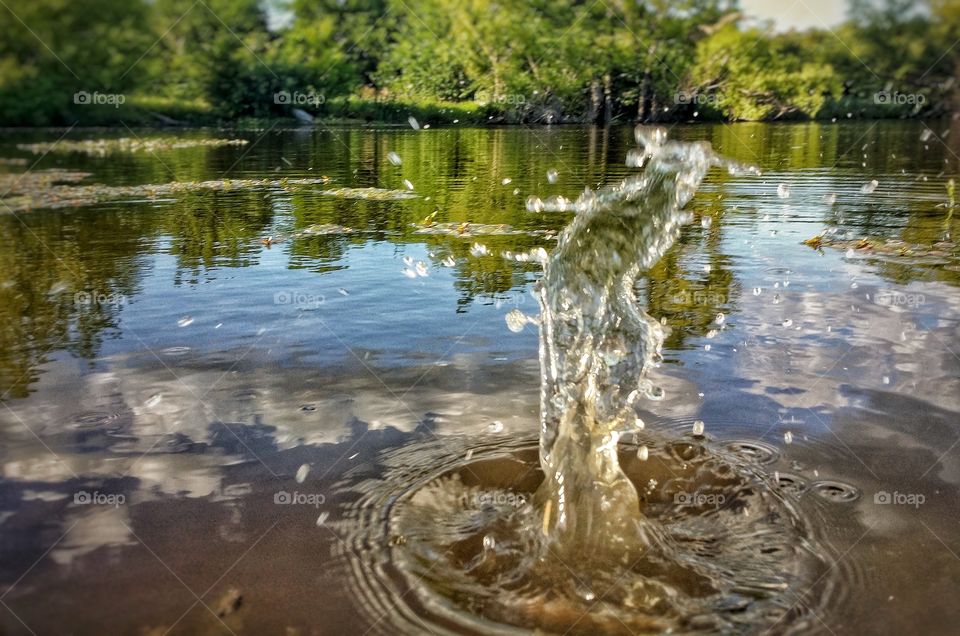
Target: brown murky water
<point x="166" y="375"/>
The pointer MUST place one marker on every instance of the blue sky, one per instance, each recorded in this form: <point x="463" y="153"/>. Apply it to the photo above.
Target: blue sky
<point x="798" y="14"/>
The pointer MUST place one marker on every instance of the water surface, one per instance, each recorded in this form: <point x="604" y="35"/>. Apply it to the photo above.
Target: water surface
<point x="162" y="351"/>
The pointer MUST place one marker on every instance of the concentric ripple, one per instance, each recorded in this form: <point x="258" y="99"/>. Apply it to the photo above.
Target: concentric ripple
<point x="439" y="542"/>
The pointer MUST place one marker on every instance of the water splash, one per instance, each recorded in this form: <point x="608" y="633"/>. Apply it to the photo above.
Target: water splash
<point x="597" y="343"/>
<point x="580" y="531"/>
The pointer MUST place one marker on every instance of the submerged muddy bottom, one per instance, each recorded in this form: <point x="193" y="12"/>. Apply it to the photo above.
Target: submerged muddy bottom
<point x="205" y="433"/>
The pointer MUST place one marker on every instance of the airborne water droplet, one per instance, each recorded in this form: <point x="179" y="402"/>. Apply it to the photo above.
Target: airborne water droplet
<point x="413" y="122"/>
<point x="394" y="158"/>
<point x="302" y="473"/>
<point x="788" y="437"/>
<point x="516" y="320"/>
<point x="643" y="454"/>
<point x="422" y="269"/>
<point x="783" y="191"/>
<point x="186" y="321"/>
<point x="868" y="188"/>
<point x="698" y="427"/>
<point x="552" y="175"/>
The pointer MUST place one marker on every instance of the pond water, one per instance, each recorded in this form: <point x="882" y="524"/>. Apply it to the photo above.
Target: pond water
<point x="220" y="404"/>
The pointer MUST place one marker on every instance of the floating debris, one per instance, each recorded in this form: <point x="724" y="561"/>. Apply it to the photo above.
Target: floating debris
<point x="942" y="251"/>
<point x="39" y="190"/>
<point x="103" y="147"/>
<point x="369" y="194"/>
<point x="476" y="229"/>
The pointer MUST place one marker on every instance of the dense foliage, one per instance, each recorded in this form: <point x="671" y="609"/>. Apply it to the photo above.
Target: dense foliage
<point x="63" y="61"/>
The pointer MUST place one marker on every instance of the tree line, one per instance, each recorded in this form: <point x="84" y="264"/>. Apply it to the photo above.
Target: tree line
<point x="539" y="61"/>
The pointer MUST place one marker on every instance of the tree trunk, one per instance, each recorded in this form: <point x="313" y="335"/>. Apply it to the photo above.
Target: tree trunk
<point x="593" y="109"/>
<point x="607" y="99"/>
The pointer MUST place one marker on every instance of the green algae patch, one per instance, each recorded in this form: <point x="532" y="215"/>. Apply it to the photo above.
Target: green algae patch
<point x="45" y="189"/>
<point x="126" y="145"/>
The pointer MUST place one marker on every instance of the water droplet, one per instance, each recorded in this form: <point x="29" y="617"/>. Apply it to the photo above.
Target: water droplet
<point x="408" y="184"/>
<point x="449" y="262"/>
<point x="534" y="203"/>
<point x="757" y="291"/>
<point x="786" y="323"/>
<point x="643" y="454"/>
<point x="886" y="379"/>
<point x="830" y="199"/>
<point x="153" y="400"/>
<point x="409" y="273"/>
<point x="186" y="321"/>
<point x="868" y="188"/>
<point x="322" y="519"/>
<point x="551" y="176"/>
<point x="516" y="320"/>
<point x="788" y="437"/>
<point x="343" y="292"/>
<point x="302" y="473"/>
<point x="706" y="222"/>
<point x="506" y="181"/>
<point x="422" y="269"/>
<point x="413" y="122"/>
<point x="698" y="427"/>
<point x="495" y="426"/>
<point x="783" y="191"/>
<point x="489" y="543"/>
<point x="394" y="158"/>
<point x="408" y="260"/>
<point x="720" y="319"/>
<point x="478" y="250"/>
